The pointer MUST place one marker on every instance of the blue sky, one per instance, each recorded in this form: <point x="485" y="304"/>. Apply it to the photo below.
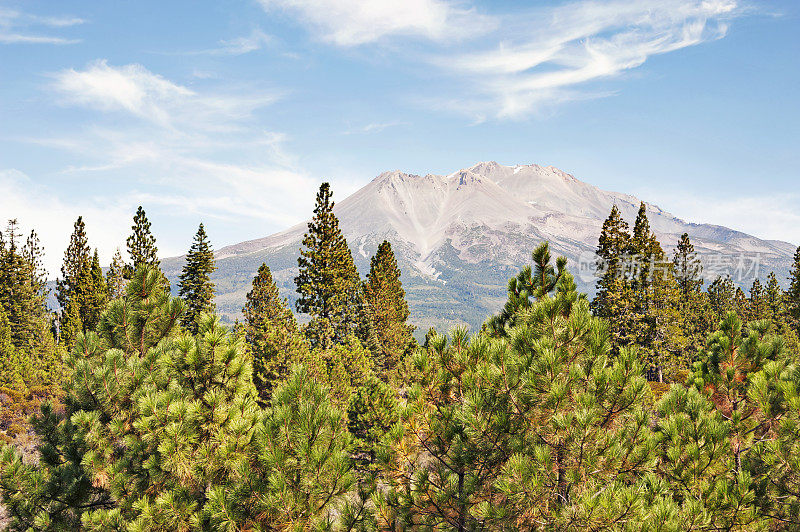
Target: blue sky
<point x="232" y="112"/>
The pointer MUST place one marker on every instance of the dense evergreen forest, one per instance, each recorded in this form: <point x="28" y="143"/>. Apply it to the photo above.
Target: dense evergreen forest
<point x="661" y="404"/>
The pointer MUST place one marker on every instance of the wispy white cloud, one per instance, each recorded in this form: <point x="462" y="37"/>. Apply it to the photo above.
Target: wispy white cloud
<point x="184" y="150"/>
<point x="256" y="40"/>
<point x="130" y="88"/>
<point x="136" y="90"/>
<point x="22" y="28"/>
<point x="374" y="127"/>
<point x="57" y="22"/>
<point x="512" y="65"/>
<point x="168" y="121"/>
<point x="549" y="55"/>
<point x="243" y="45"/>
<point x="356" y="22"/>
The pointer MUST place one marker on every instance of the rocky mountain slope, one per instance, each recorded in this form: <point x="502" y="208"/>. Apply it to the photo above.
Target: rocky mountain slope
<point x="459" y="237"/>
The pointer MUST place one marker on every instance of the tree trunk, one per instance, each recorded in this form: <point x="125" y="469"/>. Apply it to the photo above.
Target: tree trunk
<point x="561" y="474"/>
<point x="460" y="525"/>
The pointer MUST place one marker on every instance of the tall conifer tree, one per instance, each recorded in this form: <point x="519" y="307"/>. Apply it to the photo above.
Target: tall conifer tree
<point x="757" y="308"/>
<point x="741" y="305"/>
<point x="22" y="289"/>
<point x="195" y="285"/>
<point x="328" y="282"/>
<point x="71" y="324"/>
<point x="721" y="295"/>
<point x="644" y="248"/>
<point x="656" y="307"/>
<point x="141" y="243"/>
<point x="613" y="299"/>
<point x="80" y="291"/>
<point x="271" y="333"/>
<point x="694" y="311"/>
<point x="34" y="256"/>
<point x="77" y="260"/>
<point x="11" y="371"/>
<point x="26" y="340"/>
<point x="99" y="293"/>
<point x="115" y="277"/>
<point x="688" y="267"/>
<point x="793" y="294"/>
<point x="385" y="297"/>
<point x="776" y="299"/>
<point x="611" y="249"/>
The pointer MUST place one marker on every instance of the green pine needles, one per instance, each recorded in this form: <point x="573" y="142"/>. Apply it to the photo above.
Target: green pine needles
<point x="163" y="431"/>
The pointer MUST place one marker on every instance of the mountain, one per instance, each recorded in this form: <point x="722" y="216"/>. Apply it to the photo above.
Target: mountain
<point x="459" y="237"/>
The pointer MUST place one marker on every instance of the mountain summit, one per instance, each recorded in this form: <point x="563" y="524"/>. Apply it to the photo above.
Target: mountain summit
<point x="459" y="237"/>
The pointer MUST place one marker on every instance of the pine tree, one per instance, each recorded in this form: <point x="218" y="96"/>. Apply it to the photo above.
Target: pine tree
<point x="30" y="357"/>
<point x="665" y="336"/>
<point x="757" y="307"/>
<point x="776" y="300"/>
<point x="81" y="285"/>
<point x="271" y="333"/>
<point x="98" y="294"/>
<point x="688" y="268"/>
<point x="698" y="486"/>
<point x="429" y="336"/>
<point x="308" y="468"/>
<point x="642" y="246"/>
<point x="328" y="282"/>
<point x="776" y="457"/>
<point x="642" y="304"/>
<point x="778" y="313"/>
<point x="60" y="488"/>
<point x="694" y="307"/>
<point x="744" y="374"/>
<point x="141" y="243"/>
<point x="71" y="324"/>
<point x="372" y="413"/>
<point x="741" y="304"/>
<point x="721" y="294"/>
<point x="34" y="256"/>
<point x="11" y="368"/>
<point x="519" y="433"/>
<point x="162" y="431"/>
<point x="342" y="368"/>
<point x="58" y="491"/>
<point x="6" y="345"/>
<point x="526" y="285"/>
<point x="196" y="287"/>
<point x="77" y="260"/>
<point x="614" y="298"/>
<point x="22" y="290"/>
<point x="115" y="277"/>
<point x="793" y="294"/>
<point x="385" y="298"/>
<point x="612" y="247"/>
